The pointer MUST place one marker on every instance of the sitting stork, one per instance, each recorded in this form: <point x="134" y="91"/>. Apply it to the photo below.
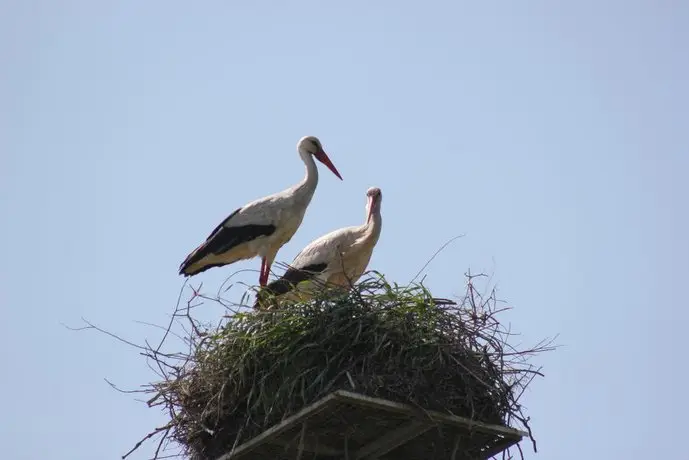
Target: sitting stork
<point x="262" y="227"/>
<point x="338" y="258"/>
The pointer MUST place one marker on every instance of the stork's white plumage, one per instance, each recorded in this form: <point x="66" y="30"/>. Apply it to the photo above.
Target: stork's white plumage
<point x="338" y="258"/>
<point x="261" y="227"/>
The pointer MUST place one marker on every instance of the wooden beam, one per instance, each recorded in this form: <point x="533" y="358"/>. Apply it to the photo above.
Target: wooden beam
<point x="275" y="431"/>
<point x="390" y="406"/>
<point x="393" y="439"/>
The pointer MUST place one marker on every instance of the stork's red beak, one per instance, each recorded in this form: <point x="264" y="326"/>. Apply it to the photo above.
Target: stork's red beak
<point x="323" y="158"/>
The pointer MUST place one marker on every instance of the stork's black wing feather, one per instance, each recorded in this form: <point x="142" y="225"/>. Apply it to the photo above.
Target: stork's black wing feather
<point x="224" y="238"/>
<point x="289" y="280"/>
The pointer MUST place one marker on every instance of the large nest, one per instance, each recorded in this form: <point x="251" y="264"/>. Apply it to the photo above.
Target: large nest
<point x="399" y="343"/>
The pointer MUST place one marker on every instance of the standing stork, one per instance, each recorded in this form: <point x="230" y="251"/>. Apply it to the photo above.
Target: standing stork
<point x="261" y="227"/>
<point x="338" y="258"/>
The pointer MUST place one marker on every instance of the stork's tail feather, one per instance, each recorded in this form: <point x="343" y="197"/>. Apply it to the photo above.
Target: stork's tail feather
<point x="191" y="265"/>
<point x="194" y="268"/>
<point x="187" y="271"/>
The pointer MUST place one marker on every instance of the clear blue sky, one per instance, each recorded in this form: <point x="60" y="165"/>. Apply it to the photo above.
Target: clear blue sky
<point x="554" y="134"/>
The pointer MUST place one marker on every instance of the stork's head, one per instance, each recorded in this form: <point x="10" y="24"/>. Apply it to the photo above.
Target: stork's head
<point x="375" y="196"/>
<point x="310" y="145"/>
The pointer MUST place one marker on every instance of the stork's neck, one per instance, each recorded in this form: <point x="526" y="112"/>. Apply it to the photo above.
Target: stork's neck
<point x="304" y="190"/>
<point x="371" y="229"/>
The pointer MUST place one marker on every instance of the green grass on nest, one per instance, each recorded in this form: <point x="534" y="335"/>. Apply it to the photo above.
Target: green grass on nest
<point x="378" y="339"/>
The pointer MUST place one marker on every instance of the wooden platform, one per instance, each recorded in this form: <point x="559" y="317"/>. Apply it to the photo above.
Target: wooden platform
<point x="350" y="426"/>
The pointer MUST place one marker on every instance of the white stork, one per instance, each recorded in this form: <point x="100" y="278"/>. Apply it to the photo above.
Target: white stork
<point x="262" y="227"/>
<point x="335" y="259"/>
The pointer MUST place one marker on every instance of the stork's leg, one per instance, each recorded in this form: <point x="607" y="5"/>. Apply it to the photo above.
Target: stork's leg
<point x="267" y="272"/>
<point x="263" y="278"/>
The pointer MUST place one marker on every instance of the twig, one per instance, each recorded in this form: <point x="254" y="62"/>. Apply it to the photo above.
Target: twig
<point x="148" y="436"/>
<point x="300" y="450"/>
<point x="91" y="326"/>
<point x="455" y="448"/>
<point x="172" y="319"/>
<point x="122" y="391"/>
<point x="435" y="254"/>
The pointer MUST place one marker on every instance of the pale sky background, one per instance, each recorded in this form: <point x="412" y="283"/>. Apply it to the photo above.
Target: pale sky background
<point x="554" y="134"/>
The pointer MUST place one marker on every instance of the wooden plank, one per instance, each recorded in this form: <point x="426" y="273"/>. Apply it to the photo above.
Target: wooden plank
<point x="392" y="439"/>
<point x="275" y="431"/>
<point x="391" y="406"/>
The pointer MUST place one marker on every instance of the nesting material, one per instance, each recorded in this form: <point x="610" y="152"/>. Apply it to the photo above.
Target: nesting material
<point x="391" y="343"/>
